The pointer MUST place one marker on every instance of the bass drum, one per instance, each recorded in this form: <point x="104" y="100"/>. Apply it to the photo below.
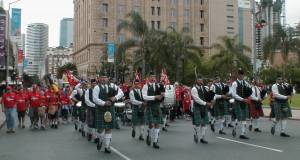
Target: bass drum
<point x="170" y="97"/>
<point x="128" y="114"/>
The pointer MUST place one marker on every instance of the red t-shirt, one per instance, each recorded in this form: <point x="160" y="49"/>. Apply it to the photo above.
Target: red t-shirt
<point x="22" y="99"/>
<point x="65" y="100"/>
<point x="178" y="92"/>
<point x="36" y="99"/>
<point x="9" y="100"/>
<point x="54" y="99"/>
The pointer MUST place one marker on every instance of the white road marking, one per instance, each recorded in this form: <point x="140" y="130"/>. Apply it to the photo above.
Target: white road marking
<point x="248" y="144"/>
<point x="119" y="153"/>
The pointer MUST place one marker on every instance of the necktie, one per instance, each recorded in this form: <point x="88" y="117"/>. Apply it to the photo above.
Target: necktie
<point x="106" y="88"/>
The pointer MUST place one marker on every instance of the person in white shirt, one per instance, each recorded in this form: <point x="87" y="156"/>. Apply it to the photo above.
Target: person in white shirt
<point x="153" y="114"/>
<point x="255" y="106"/>
<point x="138" y="109"/>
<point x="104" y="96"/>
<point x="91" y="111"/>
<point x="76" y="97"/>
<point x="200" y="110"/>
<point x="240" y="106"/>
<point x="281" y="107"/>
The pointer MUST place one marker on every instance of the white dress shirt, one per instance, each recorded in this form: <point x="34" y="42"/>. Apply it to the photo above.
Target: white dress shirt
<point x="255" y="96"/>
<point x="132" y="98"/>
<point x="96" y="92"/>
<point x="145" y="92"/>
<point x="196" y="97"/>
<point x="234" y="87"/>
<point x="87" y="99"/>
<point x="213" y="88"/>
<point x="276" y="92"/>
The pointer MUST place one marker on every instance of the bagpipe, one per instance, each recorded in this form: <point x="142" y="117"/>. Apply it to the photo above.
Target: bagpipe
<point x="288" y="89"/>
<point x="263" y="93"/>
<point x="247" y="91"/>
<point x="160" y="90"/>
<point x="225" y="90"/>
<point x="209" y="96"/>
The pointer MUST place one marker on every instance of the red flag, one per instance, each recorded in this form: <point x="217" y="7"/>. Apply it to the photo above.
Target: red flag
<point x="137" y="76"/>
<point x="164" y="77"/>
<point x="71" y="79"/>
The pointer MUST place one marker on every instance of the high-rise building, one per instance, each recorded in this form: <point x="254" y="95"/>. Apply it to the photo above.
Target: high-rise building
<point x="96" y="21"/>
<point x="36" y="47"/>
<point x="57" y="57"/>
<point x="66" y="32"/>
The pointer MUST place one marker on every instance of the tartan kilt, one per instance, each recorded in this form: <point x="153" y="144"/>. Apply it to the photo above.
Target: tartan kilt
<point x="137" y="119"/>
<point x="220" y="108"/>
<point x="241" y="111"/>
<point x="100" y="124"/>
<point x="255" y="111"/>
<point x="90" y="117"/>
<point x="272" y="114"/>
<point x="75" y="112"/>
<point x="153" y="115"/>
<point x="82" y="114"/>
<point x="198" y="118"/>
<point x="282" y="110"/>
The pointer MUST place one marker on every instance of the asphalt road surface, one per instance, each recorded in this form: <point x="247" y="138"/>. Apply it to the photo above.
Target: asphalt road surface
<point x="176" y="144"/>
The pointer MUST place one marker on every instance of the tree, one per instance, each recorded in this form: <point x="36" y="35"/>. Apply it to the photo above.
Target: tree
<point x="68" y="66"/>
<point x="139" y="29"/>
<point x="229" y="56"/>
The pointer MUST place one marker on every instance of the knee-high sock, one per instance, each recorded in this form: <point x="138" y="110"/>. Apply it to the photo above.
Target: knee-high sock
<point x="283" y="126"/>
<point x="156" y="134"/>
<point x="255" y="123"/>
<point x="228" y="119"/>
<point x="164" y="121"/>
<point x="221" y="124"/>
<point x="100" y="135"/>
<point x="108" y="137"/>
<point x="196" y="130"/>
<point x="141" y="130"/>
<point x="203" y="131"/>
<point x="243" y="127"/>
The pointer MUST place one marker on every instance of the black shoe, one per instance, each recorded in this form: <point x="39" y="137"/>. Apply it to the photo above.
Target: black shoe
<point x="52" y="126"/>
<point x="43" y="128"/>
<point x="148" y="140"/>
<point x="79" y="130"/>
<point x="196" y="140"/>
<point x="284" y="135"/>
<point x="234" y="133"/>
<point x="222" y="132"/>
<point x="23" y="126"/>
<point x="155" y="145"/>
<point x="167" y="125"/>
<point x="133" y="133"/>
<point x="165" y="129"/>
<point x="203" y="141"/>
<point x="230" y="126"/>
<point x="90" y="136"/>
<point x="212" y="127"/>
<point x="141" y="138"/>
<point x="56" y="126"/>
<point x="96" y="140"/>
<point x="257" y="130"/>
<point x="76" y="127"/>
<point x="243" y="137"/>
<point x="273" y="130"/>
<point x="250" y="127"/>
<point x="83" y="134"/>
<point x="99" y="145"/>
<point x="107" y="150"/>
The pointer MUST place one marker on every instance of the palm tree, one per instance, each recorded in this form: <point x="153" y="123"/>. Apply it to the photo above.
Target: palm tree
<point x="139" y="29"/>
<point x="229" y="56"/>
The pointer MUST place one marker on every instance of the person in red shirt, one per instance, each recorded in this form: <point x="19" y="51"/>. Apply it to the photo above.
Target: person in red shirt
<point x="36" y="108"/>
<point x="65" y="102"/>
<point x="9" y="101"/>
<point x="22" y="104"/>
<point x="53" y="108"/>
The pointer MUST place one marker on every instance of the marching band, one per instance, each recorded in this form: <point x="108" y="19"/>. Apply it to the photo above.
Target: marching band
<point x="94" y="107"/>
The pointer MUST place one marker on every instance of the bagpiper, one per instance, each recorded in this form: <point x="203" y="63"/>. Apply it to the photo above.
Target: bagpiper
<point x="281" y="107"/>
<point x="220" y="106"/>
<point x="200" y="110"/>
<point x="153" y="114"/>
<point x="104" y="96"/>
<point x="241" y="91"/>
<point x="91" y="111"/>
<point x="138" y="110"/>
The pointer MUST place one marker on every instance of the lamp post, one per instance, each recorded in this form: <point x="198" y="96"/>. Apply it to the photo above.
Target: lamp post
<point x="8" y="41"/>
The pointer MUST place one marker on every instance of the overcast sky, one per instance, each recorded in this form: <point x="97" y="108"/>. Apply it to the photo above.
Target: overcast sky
<point x="52" y="11"/>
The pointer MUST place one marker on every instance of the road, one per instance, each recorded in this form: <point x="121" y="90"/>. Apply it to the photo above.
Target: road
<point x="177" y="144"/>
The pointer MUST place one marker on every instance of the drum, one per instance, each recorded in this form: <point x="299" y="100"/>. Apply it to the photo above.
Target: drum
<point x="79" y="104"/>
<point x="170" y="97"/>
<point x="128" y="114"/>
<point x="119" y="107"/>
<point x="41" y="111"/>
<point x="52" y="109"/>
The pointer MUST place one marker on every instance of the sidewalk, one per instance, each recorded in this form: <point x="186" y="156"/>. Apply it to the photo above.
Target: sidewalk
<point x="296" y="113"/>
<point x="2" y="117"/>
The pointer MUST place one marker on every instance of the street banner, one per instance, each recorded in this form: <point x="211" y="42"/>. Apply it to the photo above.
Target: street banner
<point x="20" y="57"/>
<point x="245" y="4"/>
<point x="111" y="52"/>
<point x="25" y="63"/>
<point x="2" y="38"/>
<point x="16" y="22"/>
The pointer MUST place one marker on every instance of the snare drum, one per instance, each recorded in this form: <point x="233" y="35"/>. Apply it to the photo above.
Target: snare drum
<point x="52" y="109"/>
<point x="170" y="97"/>
<point x="41" y="111"/>
<point x="119" y="107"/>
<point x="128" y="114"/>
<point x="79" y="104"/>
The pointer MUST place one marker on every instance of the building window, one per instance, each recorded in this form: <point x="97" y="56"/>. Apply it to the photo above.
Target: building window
<point x="201" y="2"/>
<point x="202" y="27"/>
<point x="104" y="22"/>
<point x="105" y="7"/>
<point x="186" y="2"/>
<point x="121" y="10"/>
<point x="158" y="11"/>
<point x="230" y="28"/>
<point x="201" y="41"/>
<point x="201" y="13"/>
<point x="121" y="38"/>
<point x="136" y="9"/>
<point x="153" y="24"/>
<point x="173" y="25"/>
<point x="173" y="2"/>
<point x="158" y="24"/>
<point x="105" y="38"/>
<point x="186" y="13"/>
<point x="186" y="27"/>
<point x="153" y="10"/>
<point x="230" y="17"/>
<point x="173" y="12"/>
